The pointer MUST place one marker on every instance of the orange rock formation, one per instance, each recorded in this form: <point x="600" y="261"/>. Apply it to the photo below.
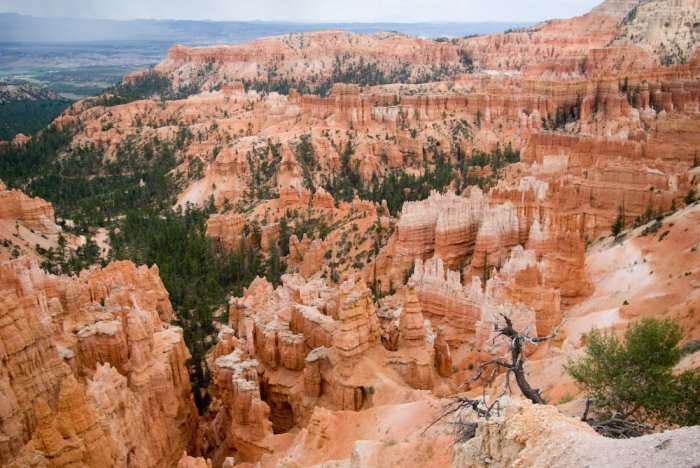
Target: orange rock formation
<point x="107" y="329"/>
<point x="604" y="110"/>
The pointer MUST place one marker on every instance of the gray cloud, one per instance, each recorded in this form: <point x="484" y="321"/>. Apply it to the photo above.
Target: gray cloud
<point x="307" y="10"/>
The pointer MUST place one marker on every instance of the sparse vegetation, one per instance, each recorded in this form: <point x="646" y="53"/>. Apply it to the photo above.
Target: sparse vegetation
<point x="305" y="155"/>
<point x="355" y="71"/>
<point x="513" y="343"/>
<point x="63" y="260"/>
<point x="566" y="398"/>
<point x="632" y="384"/>
<point x="619" y="224"/>
<point x="398" y="186"/>
<point x="147" y="85"/>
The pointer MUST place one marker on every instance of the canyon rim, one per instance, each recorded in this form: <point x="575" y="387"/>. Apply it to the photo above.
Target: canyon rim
<point x="299" y="250"/>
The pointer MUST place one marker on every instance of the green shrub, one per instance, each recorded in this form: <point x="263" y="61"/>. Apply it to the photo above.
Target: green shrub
<point x="634" y="378"/>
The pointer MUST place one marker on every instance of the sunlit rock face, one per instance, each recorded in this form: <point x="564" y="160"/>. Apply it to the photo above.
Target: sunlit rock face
<point x="540" y="444"/>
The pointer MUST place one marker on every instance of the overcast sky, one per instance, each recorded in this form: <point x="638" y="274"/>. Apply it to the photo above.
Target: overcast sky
<point x="307" y="10"/>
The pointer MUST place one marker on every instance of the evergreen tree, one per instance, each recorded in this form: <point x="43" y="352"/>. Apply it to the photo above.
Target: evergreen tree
<point x="635" y="378"/>
<point x="619" y="224"/>
<point x="284" y="237"/>
<point x="275" y="267"/>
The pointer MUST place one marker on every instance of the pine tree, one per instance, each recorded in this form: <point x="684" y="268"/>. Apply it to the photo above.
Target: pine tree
<point x="619" y="224"/>
<point x="635" y="378"/>
<point x="274" y="267"/>
<point x="284" y="237"/>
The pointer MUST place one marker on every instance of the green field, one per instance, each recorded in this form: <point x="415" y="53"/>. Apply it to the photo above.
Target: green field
<point x="70" y="83"/>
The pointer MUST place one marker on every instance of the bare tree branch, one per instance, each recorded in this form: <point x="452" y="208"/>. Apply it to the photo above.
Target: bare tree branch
<point x="551" y="335"/>
<point x="513" y="365"/>
<point x="617" y="426"/>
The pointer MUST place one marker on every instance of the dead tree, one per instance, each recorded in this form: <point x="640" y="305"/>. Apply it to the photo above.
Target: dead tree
<point x="516" y="342"/>
<point x="513" y="365"/>
<point x="616" y="426"/>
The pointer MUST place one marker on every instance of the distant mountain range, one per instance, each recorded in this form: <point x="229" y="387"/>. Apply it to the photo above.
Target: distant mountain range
<point x="76" y="57"/>
<point x="22" y="28"/>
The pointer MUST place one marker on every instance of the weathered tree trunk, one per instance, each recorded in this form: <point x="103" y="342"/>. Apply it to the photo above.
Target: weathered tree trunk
<point x="515" y="341"/>
<point x="516" y="364"/>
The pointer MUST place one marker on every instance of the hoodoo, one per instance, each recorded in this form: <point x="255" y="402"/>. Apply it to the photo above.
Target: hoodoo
<point x="333" y="248"/>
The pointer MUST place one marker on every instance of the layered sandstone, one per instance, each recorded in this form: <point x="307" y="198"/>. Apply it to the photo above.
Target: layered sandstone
<point x="444" y="225"/>
<point x="604" y="110"/>
<point x="35" y="213"/>
<point x="498" y="233"/>
<point x="668" y="28"/>
<point x="26" y="222"/>
<point x="570" y="76"/>
<point x="528" y="288"/>
<point x="617" y="8"/>
<point x="73" y="435"/>
<point x="87" y="353"/>
<point x="375" y="437"/>
<point x="445" y="301"/>
<point x="32" y="366"/>
<point x="411" y="330"/>
<point x="357" y="328"/>
<point x="227" y="228"/>
<point x="631" y="119"/>
<point x="251" y="61"/>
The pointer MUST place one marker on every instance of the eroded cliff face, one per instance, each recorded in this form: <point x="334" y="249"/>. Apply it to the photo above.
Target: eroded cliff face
<point x="310" y="58"/>
<point x="26" y="222"/>
<point x="351" y="230"/>
<point x="601" y="121"/>
<point x="669" y="29"/>
<point x="381" y="313"/>
<point x="92" y="372"/>
<point x="303" y="347"/>
<point x="34" y="213"/>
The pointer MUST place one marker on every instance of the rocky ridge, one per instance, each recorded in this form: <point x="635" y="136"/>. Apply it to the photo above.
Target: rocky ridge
<point x="12" y="92"/>
<point x="26" y="223"/>
<point x="538" y="435"/>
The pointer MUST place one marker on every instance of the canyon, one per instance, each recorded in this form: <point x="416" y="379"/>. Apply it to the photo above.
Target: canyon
<point x="387" y="298"/>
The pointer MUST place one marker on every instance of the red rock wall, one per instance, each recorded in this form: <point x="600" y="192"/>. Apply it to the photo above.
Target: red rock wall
<point x="34" y="213"/>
